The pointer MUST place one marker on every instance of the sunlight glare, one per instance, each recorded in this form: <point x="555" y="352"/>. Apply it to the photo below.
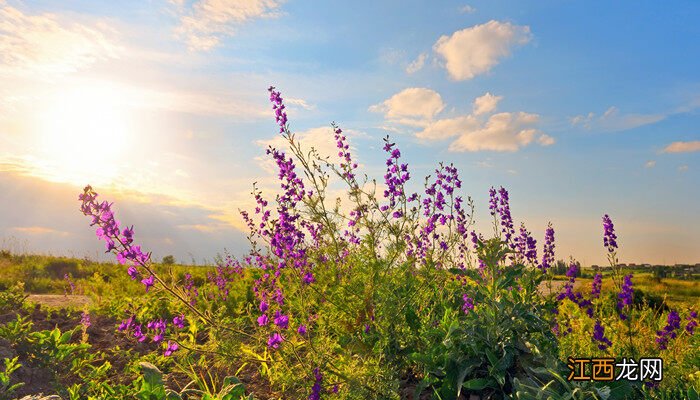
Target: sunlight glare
<point x="83" y="135"/>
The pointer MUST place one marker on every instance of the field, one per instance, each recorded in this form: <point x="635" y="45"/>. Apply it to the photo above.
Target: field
<point x="104" y="292"/>
<point x="392" y="296"/>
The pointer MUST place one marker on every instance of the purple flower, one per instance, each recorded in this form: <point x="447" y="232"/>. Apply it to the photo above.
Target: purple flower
<point x="316" y="388"/>
<point x="468" y="303"/>
<point x="148" y="282"/>
<point x="346" y="164"/>
<point x="108" y="230"/>
<point x="625" y="296"/>
<point x="596" y="286"/>
<point x="133" y="272"/>
<point x="275" y="340"/>
<point x="692" y="322"/>
<point x="599" y="336"/>
<point x="281" y="320"/>
<point x="158" y="327"/>
<point x="85" y="319"/>
<point x="278" y="106"/>
<point x="179" y="321"/>
<point x="308" y="278"/>
<point x="263" y="320"/>
<point x="302" y="329"/>
<point x="126" y="324"/>
<point x="140" y="336"/>
<point x="548" y="249"/>
<point x="568" y="291"/>
<point x="499" y="204"/>
<point x="67" y="278"/>
<point x="609" y="237"/>
<point x="190" y="289"/>
<point x="673" y="323"/>
<point x="395" y="178"/>
<point x="171" y="348"/>
<point x="526" y="245"/>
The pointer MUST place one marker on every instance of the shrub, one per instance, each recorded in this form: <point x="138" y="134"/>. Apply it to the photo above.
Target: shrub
<point x="377" y="292"/>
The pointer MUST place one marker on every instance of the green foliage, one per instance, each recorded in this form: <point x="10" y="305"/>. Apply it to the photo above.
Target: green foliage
<point x="6" y="387"/>
<point x="12" y="299"/>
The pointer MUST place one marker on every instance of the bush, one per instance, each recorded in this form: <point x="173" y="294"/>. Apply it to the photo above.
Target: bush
<point x="58" y="268"/>
<point x="379" y="292"/>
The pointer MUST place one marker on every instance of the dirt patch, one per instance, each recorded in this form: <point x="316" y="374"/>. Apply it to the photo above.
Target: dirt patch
<point x="38" y="377"/>
<point x="60" y="300"/>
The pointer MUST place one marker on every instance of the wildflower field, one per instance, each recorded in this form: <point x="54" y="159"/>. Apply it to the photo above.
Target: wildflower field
<point x="381" y="294"/>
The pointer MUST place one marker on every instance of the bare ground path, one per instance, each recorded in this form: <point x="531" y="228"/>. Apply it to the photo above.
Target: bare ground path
<point x="60" y="300"/>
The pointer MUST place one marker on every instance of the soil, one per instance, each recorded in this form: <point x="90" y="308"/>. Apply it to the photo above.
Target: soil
<point x="40" y="378"/>
<point x="103" y="337"/>
<point x="60" y="300"/>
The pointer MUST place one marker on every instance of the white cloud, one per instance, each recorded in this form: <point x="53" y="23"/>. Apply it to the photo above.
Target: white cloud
<point x="502" y="132"/>
<point x="411" y="104"/>
<point x="650" y="164"/>
<point x="545" y="140"/>
<point x="389" y="55"/>
<point x="613" y="121"/>
<point x="417" y="64"/>
<point x="467" y="9"/>
<point x="683" y="168"/>
<point x="683" y="147"/>
<point x="449" y="127"/>
<point x="486" y="103"/>
<point x="209" y="21"/>
<point x="38" y="230"/>
<point x="46" y="45"/>
<point x="418" y="107"/>
<point x="475" y="50"/>
<point x="300" y="102"/>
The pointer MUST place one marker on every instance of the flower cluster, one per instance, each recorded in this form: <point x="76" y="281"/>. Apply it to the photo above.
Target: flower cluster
<point x="499" y="204"/>
<point x="225" y="272"/>
<point x="346" y="164"/>
<point x="673" y="323"/>
<point x="395" y="178"/>
<point x="576" y="297"/>
<point x="548" y="249"/>
<point x="316" y="388"/>
<point x="568" y="290"/>
<point x="526" y="245"/>
<point x="625" y="296"/>
<point x="596" y="286"/>
<point x="156" y="329"/>
<point x="468" y="303"/>
<point x="115" y="239"/>
<point x="692" y="322"/>
<point x="179" y="321"/>
<point x="609" y="237"/>
<point x="278" y="106"/>
<point x="71" y="284"/>
<point x="191" y="290"/>
<point x="85" y="319"/>
<point x="170" y="348"/>
<point x="442" y="208"/>
<point x="599" y="336"/>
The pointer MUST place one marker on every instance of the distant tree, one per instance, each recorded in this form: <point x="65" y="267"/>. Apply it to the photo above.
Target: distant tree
<point x="168" y="260"/>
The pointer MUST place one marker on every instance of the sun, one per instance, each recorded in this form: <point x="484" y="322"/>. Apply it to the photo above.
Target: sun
<point x="84" y="134"/>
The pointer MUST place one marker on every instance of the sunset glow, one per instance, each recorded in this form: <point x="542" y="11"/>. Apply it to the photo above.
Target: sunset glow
<point x="83" y="135"/>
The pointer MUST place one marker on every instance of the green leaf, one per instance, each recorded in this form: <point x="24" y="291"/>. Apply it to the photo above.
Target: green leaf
<point x="466" y="369"/>
<point x="477" y="384"/>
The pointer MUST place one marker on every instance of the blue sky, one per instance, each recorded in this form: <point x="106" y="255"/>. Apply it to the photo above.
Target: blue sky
<point x="578" y="108"/>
